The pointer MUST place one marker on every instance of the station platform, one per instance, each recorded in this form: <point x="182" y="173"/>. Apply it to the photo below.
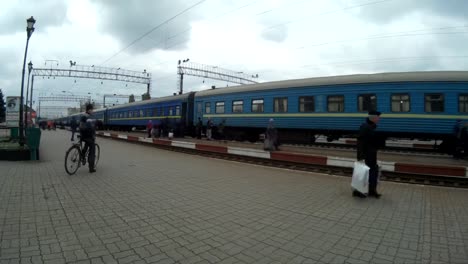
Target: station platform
<point x="149" y="205"/>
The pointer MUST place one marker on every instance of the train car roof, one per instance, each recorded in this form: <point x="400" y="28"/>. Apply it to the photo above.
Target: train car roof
<point x="155" y="100"/>
<point x="427" y="76"/>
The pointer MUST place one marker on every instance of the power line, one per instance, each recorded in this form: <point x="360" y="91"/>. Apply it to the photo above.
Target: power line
<point x="153" y="29"/>
<point x="325" y="13"/>
<point x="383" y="36"/>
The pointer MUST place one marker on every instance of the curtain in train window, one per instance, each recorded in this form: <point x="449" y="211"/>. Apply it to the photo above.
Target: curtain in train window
<point x="171" y="111"/>
<point x="306" y="104"/>
<point x="257" y="106"/>
<point x="280" y="105"/>
<point x="367" y="102"/>
<point x="237" y="106"/>
<point x="177" y="110"/>
<point x="207" y="108"/>
<point x="199" y="108"/>
<point x="400" y="103"/>
<point x="336" y="103"/>
<point x="219" y="108"/>
<point x="463" y="103"/>
<point x="142" y="113"/>
<point x="434" y="103"/>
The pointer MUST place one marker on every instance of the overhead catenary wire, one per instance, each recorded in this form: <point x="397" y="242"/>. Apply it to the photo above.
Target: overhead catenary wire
<point x="153" y="29"/>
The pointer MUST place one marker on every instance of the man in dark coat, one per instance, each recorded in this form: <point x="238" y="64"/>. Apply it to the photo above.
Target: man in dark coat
<point x="367" y="145"/>
<point x="88" y="136"/>
<point x="73" y="126"/>
<point x="199" y="128"/>
<point x="271" y="136"/>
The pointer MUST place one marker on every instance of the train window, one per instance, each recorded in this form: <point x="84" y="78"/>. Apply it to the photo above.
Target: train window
<point x="463" y="103"/>
<point x="400" y="103"/>
<point x="155" y="112"/>
<point x="335" y="103"/>
<point x="257" y="106"/>
<point x="177" y="110"/>
<point x="367" y="102"/>
<point x="237" y="106"/>
<point x="171" y="111"/>
<point x="306" y="104"/>
<point x="142" y="113"/>
<point x="135" y="113"/>
<point x="219" y="108"/>
<point x="280" y="105"/>
<point x="434" y="103"/>
<point x="199" y="108"/>
<point x="148" y="112"/>
<point x="130" y="114"/>
<point x="207" y="108"/>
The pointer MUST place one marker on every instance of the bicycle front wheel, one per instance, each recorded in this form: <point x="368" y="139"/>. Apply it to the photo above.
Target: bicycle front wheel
<point x="98" y="152"/>
<point x="72" y="160"/>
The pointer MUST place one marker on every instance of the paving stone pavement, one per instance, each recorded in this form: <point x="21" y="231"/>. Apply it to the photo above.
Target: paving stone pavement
<point x="146" y="205"/>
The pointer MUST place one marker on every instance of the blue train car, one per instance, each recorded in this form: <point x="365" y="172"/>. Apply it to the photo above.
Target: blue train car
<point x="170" y="112"/>
<point x="414" y="105"/>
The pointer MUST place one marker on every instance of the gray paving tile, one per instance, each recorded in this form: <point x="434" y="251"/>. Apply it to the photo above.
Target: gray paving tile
<point x="146" y="205"/>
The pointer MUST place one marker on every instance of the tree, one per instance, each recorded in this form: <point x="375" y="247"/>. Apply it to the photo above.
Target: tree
<point x="2" y="107"/>
<point x="131" y="98"/>
<point x="145" y="96"/>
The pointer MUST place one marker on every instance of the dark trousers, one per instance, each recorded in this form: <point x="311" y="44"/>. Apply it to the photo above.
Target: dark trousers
<point x="373" y="175"/>
<point x="89" y="143"/>
<point x="73" y="134"/>
<point x="149" y="132"/>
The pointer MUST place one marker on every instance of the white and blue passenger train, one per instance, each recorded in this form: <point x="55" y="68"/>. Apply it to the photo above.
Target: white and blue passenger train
<point x="420" y="105"/>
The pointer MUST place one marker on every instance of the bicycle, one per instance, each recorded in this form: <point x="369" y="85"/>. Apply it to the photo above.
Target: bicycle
<point x="74" y="157"/>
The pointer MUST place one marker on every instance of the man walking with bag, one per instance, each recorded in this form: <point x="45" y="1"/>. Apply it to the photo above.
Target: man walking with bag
<point x="368" y="144"/>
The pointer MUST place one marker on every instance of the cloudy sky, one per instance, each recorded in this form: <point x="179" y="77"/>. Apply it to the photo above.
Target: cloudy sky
<point x="276" y="39"/>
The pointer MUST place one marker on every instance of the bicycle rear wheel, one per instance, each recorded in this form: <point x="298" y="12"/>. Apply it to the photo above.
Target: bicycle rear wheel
<point x="98" y="152"/>
<point x="72" y="159"/>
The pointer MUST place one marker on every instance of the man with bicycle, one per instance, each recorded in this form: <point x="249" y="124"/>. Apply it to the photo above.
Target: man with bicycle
<point x="88" y="136"/>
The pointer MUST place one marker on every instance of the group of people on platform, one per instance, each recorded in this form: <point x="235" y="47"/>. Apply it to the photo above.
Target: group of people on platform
<point x="368" y="141"/>
<point x="154" y="131"/>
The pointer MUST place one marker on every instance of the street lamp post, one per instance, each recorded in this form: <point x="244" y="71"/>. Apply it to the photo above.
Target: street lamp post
<point x="30" y="67"/>
<point x="30" y="99"/>
<point x="29" y="31"/>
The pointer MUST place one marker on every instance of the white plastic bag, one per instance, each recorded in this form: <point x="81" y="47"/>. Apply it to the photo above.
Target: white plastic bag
<point x="360" y="180"/>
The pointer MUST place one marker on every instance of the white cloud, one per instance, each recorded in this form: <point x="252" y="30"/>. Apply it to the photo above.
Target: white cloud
<point x="278" y="39"/>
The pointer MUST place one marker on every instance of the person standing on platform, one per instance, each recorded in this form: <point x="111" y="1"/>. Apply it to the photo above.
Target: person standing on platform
<point x="368" y="144"/>
<point x="149" y="126"/>
<point x="73" y="127"/>
<point x="271" y="136"/>
<point x="209" y="129"/>
<point x="199" y="128"/>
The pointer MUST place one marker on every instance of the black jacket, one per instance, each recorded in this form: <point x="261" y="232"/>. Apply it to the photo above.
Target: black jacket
<point x="87" y="127"/>
<point x="368" y="142"/>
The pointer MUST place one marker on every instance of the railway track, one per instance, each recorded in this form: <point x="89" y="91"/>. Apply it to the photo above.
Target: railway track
<point x="390" y="150"/>
<point x="424" y="179"/>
